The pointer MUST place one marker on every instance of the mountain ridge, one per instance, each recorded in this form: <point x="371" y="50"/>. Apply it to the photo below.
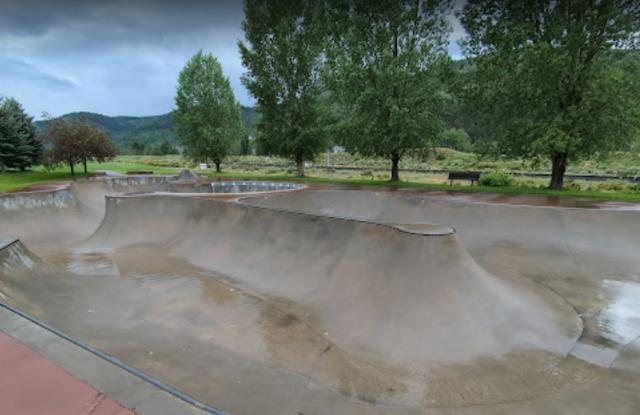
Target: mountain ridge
<point x="149" y="131"/>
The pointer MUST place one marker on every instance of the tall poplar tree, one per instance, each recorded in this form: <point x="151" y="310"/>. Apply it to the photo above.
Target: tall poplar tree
<point x="387" y="65"/>
<point x="207" y="115"/>
<point x="284" y="40"/>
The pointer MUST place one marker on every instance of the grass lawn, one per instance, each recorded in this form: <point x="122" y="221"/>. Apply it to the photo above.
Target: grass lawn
<point x="14" y="180"/>
<point x="173" y="164"/>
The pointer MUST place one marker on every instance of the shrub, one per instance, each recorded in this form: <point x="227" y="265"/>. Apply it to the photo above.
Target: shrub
<point x="496" y="179"/>
<point x="571" y="185"/>
<point x="455" y="138"/>
<point x="612" y="186"/>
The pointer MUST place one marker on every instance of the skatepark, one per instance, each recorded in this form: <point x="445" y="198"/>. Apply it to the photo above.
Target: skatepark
<point x="248" y="298"/>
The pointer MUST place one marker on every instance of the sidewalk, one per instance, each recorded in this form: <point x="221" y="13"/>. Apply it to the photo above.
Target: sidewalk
<point x="32" y="385"/>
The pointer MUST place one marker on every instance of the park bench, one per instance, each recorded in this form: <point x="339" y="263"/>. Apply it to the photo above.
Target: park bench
<point x="139" y="172"/>
<point x="473" y="176"/>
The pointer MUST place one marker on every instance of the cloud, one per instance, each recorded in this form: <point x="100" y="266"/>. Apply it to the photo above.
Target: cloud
<point x="119" y="57"/>
<point x="14" y="68"/>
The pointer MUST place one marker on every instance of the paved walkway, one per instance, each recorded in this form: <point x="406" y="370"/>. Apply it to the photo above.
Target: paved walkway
<point x="32" y="385"/>
<point x="20" y="384"/>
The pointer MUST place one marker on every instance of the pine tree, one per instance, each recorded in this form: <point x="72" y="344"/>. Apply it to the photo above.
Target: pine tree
<point x="29" y="149"/>
<point x="8" y="138"/>
<point x="20" y="146"/>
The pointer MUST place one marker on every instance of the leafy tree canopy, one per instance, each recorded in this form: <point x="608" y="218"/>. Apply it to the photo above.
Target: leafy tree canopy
<point x="207" y="115"/>
<point x="77" y="141"/>
<point x="386" y="65"/>
<point x="543" y="79"/>
<point x="282" y="55"/>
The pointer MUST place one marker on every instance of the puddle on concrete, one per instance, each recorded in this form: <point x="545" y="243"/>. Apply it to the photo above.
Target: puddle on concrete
<point x="605" y="293"/>
<point x="619" y="321"/>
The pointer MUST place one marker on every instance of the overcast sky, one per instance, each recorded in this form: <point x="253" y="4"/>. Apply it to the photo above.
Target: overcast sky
<point x="114" y="57"/>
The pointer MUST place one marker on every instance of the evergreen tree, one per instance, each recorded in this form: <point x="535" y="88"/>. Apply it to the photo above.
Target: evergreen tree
<point x="8" y="139"/>
<point x="207" y="114"/>
<point x="20" y="146"/>
<point x="245" y="146"/>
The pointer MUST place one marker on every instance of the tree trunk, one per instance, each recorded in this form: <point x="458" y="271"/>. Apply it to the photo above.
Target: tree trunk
<point x="300" y="167"/>
<point x="84" y="163"/>
<point x="217" y="163"/>
<point x="558" y="167"/>
<point x="395" y="173"/>
<point x="73" y="173"/>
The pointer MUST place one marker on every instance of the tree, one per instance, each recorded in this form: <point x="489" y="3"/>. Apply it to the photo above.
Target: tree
<point x="78" y="141"/>
<point x="97" y="145"/>
<point x="386" y="64"/>
<point x="8" y="139"/>
<point x="282" y="56"/>
<point x="544" y="80"/>
<point x="20" y="146"/>
<point x="138" y="148"/>
<point x="455" y="138"/>
<point x="207" y="115"/>
<point x="246" y="148"/>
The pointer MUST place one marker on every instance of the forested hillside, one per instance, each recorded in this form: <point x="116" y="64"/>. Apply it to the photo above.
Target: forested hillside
<point x="150" y="131"/>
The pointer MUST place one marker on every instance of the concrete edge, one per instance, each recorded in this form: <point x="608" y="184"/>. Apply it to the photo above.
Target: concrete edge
<point x="128" y="386"/>
<point x="413" y="228"/>
<point x="419" y="229"/>
<point x="482" y="204"/>
<point x="5" y="243"/>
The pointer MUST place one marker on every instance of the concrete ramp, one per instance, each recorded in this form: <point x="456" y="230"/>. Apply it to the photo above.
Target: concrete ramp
<point x="324" y="302"/>
<point x="569" y="232"/>
<point x="65" y="213"/>
<point x="407" y="296"/>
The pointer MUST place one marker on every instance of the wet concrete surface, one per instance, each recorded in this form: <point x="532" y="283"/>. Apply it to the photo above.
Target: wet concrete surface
<point x="201" y="332"/>
<point x="495" y="198"/>
<point x="226" y="342"/>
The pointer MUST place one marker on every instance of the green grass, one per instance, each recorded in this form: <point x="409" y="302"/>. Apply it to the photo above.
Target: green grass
<point x="172" y="164"/>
